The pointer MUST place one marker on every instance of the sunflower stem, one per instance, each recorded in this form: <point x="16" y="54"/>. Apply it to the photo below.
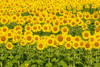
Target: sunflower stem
<point x="2" y="56"/>
<point x="49" y="55"/>
<point x="1" y="64"/>
<point x="97" y="55"/>
<point x="18" y="49"/>
<point x="91" y="56"/>
<point x="69" y="57"/>
<point x="74" y="58"/>
<point x="18" y="63"/>
<point x="39" y="58"/>
<point x="88" y="56"/>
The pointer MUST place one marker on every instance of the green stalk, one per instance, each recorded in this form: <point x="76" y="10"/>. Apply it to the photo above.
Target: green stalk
<point x="2" y="55"/>
<point x="1" y="64"/>
<point x="49" y="54"/>
<point x="39" y="57"/>
<point x="69" y="56"/>
<point x="18" y="60"/>
<point x="74" y="58"/>
<point x="91" y="56"/>
<point x="97" y="55"/>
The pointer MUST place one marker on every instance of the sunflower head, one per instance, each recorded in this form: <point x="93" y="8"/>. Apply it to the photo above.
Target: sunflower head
<point x="9" y="45"/>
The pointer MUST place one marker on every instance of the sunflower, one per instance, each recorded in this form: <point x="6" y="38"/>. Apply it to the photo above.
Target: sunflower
<point x="88" y="21"/>
<point x="29" y="20"/>
<point x="39" y="27"/>
<point x="32" y="42"/>
<point x="64" y="30"/>
<point x="18" y="37"/>
<point x="23" y="42"/>
<point x="4" y="29"/>
<point x="45" y="28"/>
<point x="95" y="15"/>
<point x="68" y="45"/>
<point x="94" y="6"/>
<point x="74" y="11"/>
<point x="27" y="28"/>
<point x="65" y="21"/>
<point x="34" y="28"/>
<point x="60" y="39"/>
<point x="4" y="20"/>
<point x="77" y="38"/>
<point x="56" y="23"/>
<point x="26" y="65"/>
<point x="47" y="21"/>
<point x="14" y="18"/>
<point x="30" y="10"/>
<point x="3" y="39"/>
<point x="87" y="15"/>
<point x="22" y="21"/>
<point x="17" y="27"/>
<point x="87" y="45"/>
<point x="97" y="23"/>
<point x="54" y="17"/>
<point x="41" y="19"/>
<point x="84" y="26"/>
<point x="80" y="23"/>
<point x="96" y="45"/>
<point x="72" y="16"/>
<point x="14" y="40"/>
<point x="9" y="45"/>
<point x="36" y="38"/>
<point x="9" y="34"/>
<point x="28" y="38"/>
<point x="28" y="32"/>
<point x="73" y="23"/>
<point x="77" y="20"/>
<point x="87" y="6"/>
<point x="34" y="19"/>
<point x="92" y="39"/>
<point x="68" y="38"/>
<point x="55" y="43"/>
<point x="97" y="30"/>
<point x="19" y="32"/>
<point x="80" y="15"/>
<point x="97" y="35"/>
<point x="86" y="34"/>
<point x="50" y="41"/>
<point x="55" y="29"/>
<point x="52" y="36"/>
<point x="76" y="45"/>
<point x="82" y="43"/>
<point x="40" y="45"/>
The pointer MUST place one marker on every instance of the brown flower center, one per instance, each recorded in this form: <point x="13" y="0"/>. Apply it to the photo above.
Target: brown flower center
<point x="29" y="38"/>
<point x="3" y="38"/>
<point x="87" y="45"/>
<point x="60" y="38"/>
<point x="96" y="44"/>
<point x="40" y="45"/>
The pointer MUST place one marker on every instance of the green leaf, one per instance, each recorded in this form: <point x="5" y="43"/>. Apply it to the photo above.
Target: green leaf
<point x="34" y="65"/>
<point x="96" y="64"/>
<point x="14" y="61"/>
<point x="53" y="60"/>
<point x="49" y="65"/>
<point x="17" y="57"/>
<point x="62" y="63"/>
<point x="11" y="25"/>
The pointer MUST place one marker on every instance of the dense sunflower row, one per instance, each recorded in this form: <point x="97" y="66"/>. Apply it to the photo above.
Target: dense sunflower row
<point x="50" y="24"/>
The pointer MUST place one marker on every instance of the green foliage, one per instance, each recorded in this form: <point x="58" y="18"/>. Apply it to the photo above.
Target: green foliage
<point x="50" y="57"/>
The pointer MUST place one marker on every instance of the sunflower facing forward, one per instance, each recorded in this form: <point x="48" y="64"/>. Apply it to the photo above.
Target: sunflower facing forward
<point x="9" y="45"/>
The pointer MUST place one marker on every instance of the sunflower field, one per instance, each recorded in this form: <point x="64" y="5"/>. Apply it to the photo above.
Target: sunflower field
<point x="49" y="33"/>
